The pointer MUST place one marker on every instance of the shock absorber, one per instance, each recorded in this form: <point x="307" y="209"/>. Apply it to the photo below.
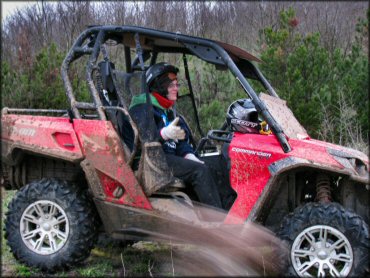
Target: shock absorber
<point x="323" y="190"/>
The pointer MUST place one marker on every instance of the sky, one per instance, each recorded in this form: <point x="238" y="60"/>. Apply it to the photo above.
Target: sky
<point x="9" y="7"/>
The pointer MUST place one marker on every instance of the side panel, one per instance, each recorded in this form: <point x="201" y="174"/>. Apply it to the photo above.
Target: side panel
<point x="48" y="136"/>
<point x="106" y="163"/>
<point x="249" y="171"/>
<point x="253" y="156"/>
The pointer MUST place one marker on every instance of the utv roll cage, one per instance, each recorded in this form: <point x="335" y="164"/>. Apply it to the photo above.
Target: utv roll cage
<point x="148" y="43"/>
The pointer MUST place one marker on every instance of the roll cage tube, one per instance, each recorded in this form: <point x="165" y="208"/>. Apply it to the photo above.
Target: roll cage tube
<point x="89" y="69"/>
<point x="265" y="83"/>
<point x="97" y="35"/>
<point x="249" y="70"/>
<point x="92" y="47"/>
<point x="191" y="93"/>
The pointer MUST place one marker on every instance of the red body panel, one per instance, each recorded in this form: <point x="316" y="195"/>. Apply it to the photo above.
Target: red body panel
<point x="103" y="149"/>
<point x="53" y="136"/>
<point x="252" y="154"/>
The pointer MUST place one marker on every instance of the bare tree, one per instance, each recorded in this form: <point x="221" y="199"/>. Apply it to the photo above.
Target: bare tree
<point x="236" y="22"/>
<point x="74" y="17"/>
<point x="344" y="128"/>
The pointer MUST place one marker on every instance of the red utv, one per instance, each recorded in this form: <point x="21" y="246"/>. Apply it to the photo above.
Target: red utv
<point x="89" y="165"/>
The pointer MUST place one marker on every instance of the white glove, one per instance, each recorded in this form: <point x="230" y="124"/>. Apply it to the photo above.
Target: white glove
<point x="172" y="131"/>
<point x="193" y="157"/>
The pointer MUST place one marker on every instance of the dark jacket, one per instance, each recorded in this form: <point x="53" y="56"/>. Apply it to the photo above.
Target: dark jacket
<point x="162" y="118"/>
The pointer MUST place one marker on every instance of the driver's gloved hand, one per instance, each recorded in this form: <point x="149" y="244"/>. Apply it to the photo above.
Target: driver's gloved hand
<point x="193" y="157"/>
<point x="172" y="131"/>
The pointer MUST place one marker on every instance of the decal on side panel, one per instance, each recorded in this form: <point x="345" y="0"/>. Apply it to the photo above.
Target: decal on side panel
<point x="251" y="152"/>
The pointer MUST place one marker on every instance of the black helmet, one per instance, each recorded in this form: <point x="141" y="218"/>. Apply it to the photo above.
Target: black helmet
<point x="242" y="116"/>
<point x="153" y="76"/>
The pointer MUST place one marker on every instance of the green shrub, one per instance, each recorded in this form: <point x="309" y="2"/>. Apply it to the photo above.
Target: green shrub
<point x="321" y="87"/>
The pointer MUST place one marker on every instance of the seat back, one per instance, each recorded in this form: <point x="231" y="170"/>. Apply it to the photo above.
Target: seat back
<point x="129" y="84"/>
<point x="119" y="117"/>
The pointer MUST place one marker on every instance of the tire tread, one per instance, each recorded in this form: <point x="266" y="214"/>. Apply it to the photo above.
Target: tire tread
<point x="331" y="214"/>
<point x="80" y="211"/>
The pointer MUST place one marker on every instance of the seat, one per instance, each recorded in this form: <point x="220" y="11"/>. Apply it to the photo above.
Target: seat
<point x="119" y="116"/>
<point x="152" y="169"/>
<point x="129" y="84"/>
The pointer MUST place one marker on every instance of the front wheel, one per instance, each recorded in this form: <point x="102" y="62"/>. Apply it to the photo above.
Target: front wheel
<point x="325" y="240"/>
<point x="51" y="225"/>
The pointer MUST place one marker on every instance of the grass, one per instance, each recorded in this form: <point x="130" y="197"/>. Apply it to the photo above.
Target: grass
<point x="9" y="266"/>
<point x="106" y="260"/>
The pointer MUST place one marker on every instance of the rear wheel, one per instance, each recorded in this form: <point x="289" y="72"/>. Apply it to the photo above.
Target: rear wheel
<point x="51" y="225"/>
<point x="326" y="240"/>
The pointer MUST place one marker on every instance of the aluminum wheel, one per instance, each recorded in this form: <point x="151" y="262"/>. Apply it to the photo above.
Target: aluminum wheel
<point x="321" y="251"/>
<point x="44" y="227"/>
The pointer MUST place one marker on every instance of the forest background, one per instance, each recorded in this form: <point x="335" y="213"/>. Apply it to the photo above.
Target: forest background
<point x="315" y="54"/>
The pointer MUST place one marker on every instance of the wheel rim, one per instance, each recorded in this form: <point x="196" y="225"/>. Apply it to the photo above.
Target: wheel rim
<point x="321" y="251"/>
<point x="44" y="227"/>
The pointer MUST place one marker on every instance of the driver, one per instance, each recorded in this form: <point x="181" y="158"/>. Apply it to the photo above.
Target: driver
<point x="174" y="133"/>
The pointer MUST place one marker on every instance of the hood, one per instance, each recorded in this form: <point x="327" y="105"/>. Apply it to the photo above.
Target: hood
<point x="354" y="161"/>
<point x="341" y="151"/>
